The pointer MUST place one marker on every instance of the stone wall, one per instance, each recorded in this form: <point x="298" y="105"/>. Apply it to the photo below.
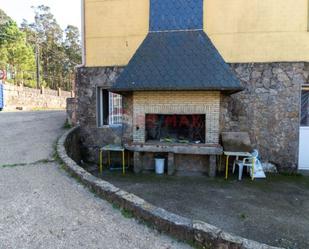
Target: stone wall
<point x="19" y="97"/>
<point x="71" y="107"/>
<point x="92" y="137"/>
<point x="268" y="109"/>
<point x="201" y="234"/>
<point x="177" y="102"/>
<point x="73" y="147"/>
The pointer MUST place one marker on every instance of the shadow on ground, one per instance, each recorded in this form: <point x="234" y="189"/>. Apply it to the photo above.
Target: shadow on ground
<point x="273" y="211"/>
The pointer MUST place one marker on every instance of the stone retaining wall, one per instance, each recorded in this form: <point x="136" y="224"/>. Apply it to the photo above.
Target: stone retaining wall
<point x="198" y="232"/>
<point x="19" y="97"/>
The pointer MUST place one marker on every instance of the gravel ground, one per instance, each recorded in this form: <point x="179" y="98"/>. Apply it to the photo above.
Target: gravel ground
<point x="42" y="207"/>
<point x="26" y="137"/>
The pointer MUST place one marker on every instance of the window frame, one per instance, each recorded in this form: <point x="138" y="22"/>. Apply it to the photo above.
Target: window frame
<point x="101" y="119"/>
<point x="304" y="88"/>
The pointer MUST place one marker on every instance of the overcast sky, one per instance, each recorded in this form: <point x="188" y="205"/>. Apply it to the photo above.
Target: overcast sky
<point x="65" y="11"/>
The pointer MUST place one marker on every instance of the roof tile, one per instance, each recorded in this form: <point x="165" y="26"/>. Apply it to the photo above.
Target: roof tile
<point x="182" y="60"/>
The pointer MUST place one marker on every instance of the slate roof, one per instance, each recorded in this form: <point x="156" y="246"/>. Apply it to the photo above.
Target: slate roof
<point x="176" y="15"/>
<point x="179" y="60"/>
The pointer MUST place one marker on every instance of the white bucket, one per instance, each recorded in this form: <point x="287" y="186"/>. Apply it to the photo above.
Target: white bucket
<point x="159" y="165"/>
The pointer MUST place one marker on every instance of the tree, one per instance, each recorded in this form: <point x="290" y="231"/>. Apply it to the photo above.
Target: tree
<point x="14" y="50"/>
<point x="73" y="52"/>
<point x="4" y="18"/>
<point x="58" y="55"/>
<point x="72" y="45"/>
<point x="58" y="51"/>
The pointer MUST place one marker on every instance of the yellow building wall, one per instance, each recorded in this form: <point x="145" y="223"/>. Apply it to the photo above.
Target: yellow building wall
<point x="242" y="30"/>
<point x="258" y="30"/>
<point x="114" y="29"/>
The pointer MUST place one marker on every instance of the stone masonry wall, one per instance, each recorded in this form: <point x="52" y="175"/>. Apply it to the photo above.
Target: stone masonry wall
<point x="30" y="98"/>
<point x="71" y="111"/>
<point x="177" y="102"/>
<point x="92" y="137"/>
<point x="268" y="109"/>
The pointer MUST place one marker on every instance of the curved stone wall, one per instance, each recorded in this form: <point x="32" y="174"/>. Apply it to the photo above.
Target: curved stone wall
<point x="193" y="231"/>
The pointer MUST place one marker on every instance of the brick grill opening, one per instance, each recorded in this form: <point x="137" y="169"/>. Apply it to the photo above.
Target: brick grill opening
<point x="176" y="128"/>
<point x="206" y="103"/>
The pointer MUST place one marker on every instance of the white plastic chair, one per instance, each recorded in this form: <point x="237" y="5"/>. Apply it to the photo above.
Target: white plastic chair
<point x="248" y="162"/>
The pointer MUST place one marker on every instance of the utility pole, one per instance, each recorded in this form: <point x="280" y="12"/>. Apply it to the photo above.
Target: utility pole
<point x="37" y="62"/>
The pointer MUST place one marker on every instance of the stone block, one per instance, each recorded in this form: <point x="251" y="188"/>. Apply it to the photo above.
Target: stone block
<point x="138" y="162"/>
<point x="175" y="225"/>
<point x="229" y="241"/>
<point x="250" y="244"/>
<point x="104" y="189"/>
<point x="212" y="166"/>
<point x="205" y="234"/>
<point x="171" y="164"/>
<point x="236" y="141"/>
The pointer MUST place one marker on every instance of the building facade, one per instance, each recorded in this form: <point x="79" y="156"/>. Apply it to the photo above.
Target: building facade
<point x="133" y="48"/>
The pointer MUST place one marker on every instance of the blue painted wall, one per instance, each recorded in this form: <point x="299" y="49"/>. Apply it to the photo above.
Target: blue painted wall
<point x="1" y="97"/>
<point x="167" y="15"/>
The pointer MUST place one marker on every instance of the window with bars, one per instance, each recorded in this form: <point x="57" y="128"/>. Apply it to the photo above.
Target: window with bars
<point x="304" y="121"/>
<point x="115" y="109"/>
<point x="109" y="108"/>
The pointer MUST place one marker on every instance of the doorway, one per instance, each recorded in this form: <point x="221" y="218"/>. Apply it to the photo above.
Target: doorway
<point x="304" y="130"/>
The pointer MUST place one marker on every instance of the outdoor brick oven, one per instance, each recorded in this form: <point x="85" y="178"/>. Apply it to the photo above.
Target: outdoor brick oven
<point x="176" y="77"/>
<point x="189" y="130"/>
<point x="184" y="126"/>
<point x="178" y="103"/>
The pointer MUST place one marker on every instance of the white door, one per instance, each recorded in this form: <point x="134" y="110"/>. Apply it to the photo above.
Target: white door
<point x="303" y="163"/>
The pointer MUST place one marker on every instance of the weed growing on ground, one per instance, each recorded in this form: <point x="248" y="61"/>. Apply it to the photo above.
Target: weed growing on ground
<point x="127" y="213"/>
<point x="67" y="125"/>
<point x="55" y="155"/>
<point x="243" y="216"/>
<point x="13" y="165"/>
<point x="115" y="206"/>
<point x="196" y="245"/>
<point x="42" y="161"/>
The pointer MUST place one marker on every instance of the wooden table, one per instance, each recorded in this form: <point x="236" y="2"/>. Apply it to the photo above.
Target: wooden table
<point x="109" y="148"/>
<point x="237" y="155"/>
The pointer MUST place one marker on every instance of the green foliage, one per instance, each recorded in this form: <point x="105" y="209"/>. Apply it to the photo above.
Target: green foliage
<point x="66" y="125"/>
<point x="14" y="50"/>
<point x="127" y="213"/>
<point x="58" y="51"/>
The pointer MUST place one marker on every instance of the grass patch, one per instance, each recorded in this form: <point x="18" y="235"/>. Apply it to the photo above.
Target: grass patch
<point x="115" y="206"/>
<point x="243" y="216"/>
<point x="43" y="161"/>
<point x="195" y="245"/>
<point x="66" y="125"/>
<point x="55" y="155"/>
<point x="127" y="213"/>
<point x="13" y="165"/>
<point x="291" y="174"/>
